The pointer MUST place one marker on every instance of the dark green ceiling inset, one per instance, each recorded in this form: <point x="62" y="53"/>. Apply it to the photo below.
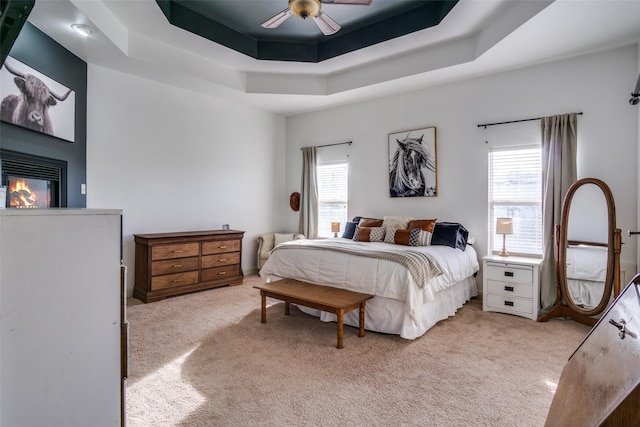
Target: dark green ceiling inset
<point x="297" y="43"/>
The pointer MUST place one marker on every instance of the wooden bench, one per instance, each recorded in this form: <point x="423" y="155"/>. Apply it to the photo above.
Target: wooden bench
<point x="325" y="298"/>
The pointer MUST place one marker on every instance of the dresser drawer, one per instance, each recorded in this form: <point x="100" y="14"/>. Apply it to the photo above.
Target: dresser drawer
<point x="510" y="289"/>
<point x="174" y="266"/>
<point x="510" y="304"/>
<point x="180" y="250"/>
<point x="509" y="273"/>
<point x="221" y="246"/>
<point x="221" y="272"/>
<point x="172" y="280"/>
<point x="220" y="260"/>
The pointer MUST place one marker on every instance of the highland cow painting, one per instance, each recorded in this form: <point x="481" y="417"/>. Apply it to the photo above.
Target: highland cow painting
<point x="31" y="100"/>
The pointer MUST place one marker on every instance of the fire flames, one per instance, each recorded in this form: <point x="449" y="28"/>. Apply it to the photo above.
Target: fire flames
<point x="22" y="196"/>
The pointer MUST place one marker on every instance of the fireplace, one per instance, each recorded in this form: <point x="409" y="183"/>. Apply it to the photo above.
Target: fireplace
<point x="33" y="181"/>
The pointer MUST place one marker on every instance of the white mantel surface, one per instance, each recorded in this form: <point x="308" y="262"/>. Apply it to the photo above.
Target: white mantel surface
<point x="60" y="317"/>
<point x="57" y="212"/>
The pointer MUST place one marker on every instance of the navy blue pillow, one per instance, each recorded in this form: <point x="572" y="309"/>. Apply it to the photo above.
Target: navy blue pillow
<point x="450" y="234"/>
<point x="349" y="229"/>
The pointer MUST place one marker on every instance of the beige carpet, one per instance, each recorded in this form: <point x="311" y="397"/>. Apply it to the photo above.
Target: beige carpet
<point x="205" y="359"/>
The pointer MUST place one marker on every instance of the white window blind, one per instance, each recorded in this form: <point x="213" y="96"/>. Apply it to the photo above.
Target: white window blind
<point x="515" y="191"/>
<point x="332" y="196"/>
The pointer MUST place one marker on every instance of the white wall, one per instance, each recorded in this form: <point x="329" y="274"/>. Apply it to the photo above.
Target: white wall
<point x="175" y="160"/>
<point x="596" y="84"/>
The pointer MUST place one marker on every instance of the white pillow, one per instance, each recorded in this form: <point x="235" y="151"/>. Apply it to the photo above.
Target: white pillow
<point x="396" y="221"/>
<point x="281" y="238"/>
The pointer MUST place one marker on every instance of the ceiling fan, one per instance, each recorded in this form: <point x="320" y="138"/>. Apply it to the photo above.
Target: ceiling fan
<point x="311" y="8"/>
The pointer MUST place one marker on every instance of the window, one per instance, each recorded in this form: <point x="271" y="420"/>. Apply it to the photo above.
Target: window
<point x="332" y="196"/>
<point x="515" y="191"/>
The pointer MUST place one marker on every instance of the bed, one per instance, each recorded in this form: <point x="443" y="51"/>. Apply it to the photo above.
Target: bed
<point x="586" y="273"/>
<point x="409" y="297"/>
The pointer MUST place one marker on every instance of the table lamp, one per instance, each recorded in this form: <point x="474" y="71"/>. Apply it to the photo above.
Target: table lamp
<point x="335" y="228"/>
<point x="504" y="226"/>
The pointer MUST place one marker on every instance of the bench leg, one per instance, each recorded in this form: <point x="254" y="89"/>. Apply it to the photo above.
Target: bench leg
<point x="340" y="318"/>
<point x="287" y="308"/>
<point x="263" y="318"/>
<point x="361" y="331"/>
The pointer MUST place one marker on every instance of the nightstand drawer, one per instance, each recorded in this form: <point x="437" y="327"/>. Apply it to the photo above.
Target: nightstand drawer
<point x="510" y="304"/>
<point x="509" y="273"/>
<point x="510" y="289"/>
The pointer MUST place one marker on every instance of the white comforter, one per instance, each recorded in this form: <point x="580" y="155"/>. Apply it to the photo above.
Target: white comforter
<point x="371" y="275"/>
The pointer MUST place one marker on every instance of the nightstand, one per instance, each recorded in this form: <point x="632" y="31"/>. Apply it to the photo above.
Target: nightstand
<point x="511" y="285"/>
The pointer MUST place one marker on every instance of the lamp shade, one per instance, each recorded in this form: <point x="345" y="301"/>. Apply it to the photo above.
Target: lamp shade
<point x="335" y="227"/>
<point x="504" y="226"/>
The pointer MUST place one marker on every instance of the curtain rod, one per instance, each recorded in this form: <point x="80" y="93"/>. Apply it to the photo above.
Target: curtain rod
<point x="331" y="145"/>
<point x="516" y="121"/>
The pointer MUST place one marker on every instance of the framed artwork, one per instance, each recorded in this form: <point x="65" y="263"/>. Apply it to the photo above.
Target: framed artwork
<point x="34" y="101"/>
<point x="412" y="163"/>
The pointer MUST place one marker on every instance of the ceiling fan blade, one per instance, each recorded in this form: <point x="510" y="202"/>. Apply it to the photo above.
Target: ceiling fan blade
<point x="278" y="19"/>
<point x="361" y="2"/>
<point x="327" y="25"/>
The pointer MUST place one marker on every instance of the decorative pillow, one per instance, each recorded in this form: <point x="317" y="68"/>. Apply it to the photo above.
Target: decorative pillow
<point x="281" y="238"/>
<point x="369" y="222"/>
<point x="389" y="234"/>
<point x="450" y="234"/>
<point x="406" y="237"/>
<point x="424" y="239"/>
<point x="368" y="234"/>
<point x="396" y="221"/>
<point x="349" y="229"/>
<point x="424" y="224"/>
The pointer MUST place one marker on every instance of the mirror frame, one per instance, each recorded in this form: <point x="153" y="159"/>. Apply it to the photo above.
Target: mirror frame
<point x="563" y="243"/>
<point x="564" y="305"/>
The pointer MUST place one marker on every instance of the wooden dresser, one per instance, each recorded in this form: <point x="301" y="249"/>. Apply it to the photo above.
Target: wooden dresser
<point x="170" y="264"/>
<point x="600" y="384"/>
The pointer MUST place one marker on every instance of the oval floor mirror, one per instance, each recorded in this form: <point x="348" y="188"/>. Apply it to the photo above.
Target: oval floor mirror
<point x="588" y="248"/>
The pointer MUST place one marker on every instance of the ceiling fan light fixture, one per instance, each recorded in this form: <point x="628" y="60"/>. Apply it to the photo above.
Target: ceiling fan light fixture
<point x="305" y="8"/>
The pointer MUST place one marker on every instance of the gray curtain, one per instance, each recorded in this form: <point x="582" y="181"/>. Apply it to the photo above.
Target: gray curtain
<point x="559" y="145"/>
<point x="309" y="194"/>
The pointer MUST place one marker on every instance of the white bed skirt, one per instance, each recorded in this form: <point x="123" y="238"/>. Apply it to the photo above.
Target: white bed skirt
<point x="389" y="315"/>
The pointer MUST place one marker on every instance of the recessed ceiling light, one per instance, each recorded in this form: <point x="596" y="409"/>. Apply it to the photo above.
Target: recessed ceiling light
<point x="82" y="29"/>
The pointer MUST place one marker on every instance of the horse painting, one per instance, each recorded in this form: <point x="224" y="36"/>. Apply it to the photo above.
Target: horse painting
<point x="407" y="168"/>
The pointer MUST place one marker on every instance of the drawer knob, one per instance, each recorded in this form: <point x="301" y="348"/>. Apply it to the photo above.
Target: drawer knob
<point x="223" y="247"/>
<point x="222" y="260"/>
<point x="176" y="280"/>
<point x="508" y="303"/>
<point x="177" y="265"/>
<point x="222" y="273"/>
<point x="177" y="251"/>
<point x="508" y="273"/>
<point x="508" y="288"/>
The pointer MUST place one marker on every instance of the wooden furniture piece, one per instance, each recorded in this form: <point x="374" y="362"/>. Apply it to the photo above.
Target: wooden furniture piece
<point x="170" y="264"/>
<point x="325" y="298"/>
<point x="564" y="305"/>
<point x="61" y="318"/>
<point x="600" y="384"/>
<point x="511" y="285"/>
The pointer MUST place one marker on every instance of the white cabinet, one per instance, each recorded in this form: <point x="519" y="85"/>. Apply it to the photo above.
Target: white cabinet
<point x="511" y="285"/>
<point x="60" y="317"/>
